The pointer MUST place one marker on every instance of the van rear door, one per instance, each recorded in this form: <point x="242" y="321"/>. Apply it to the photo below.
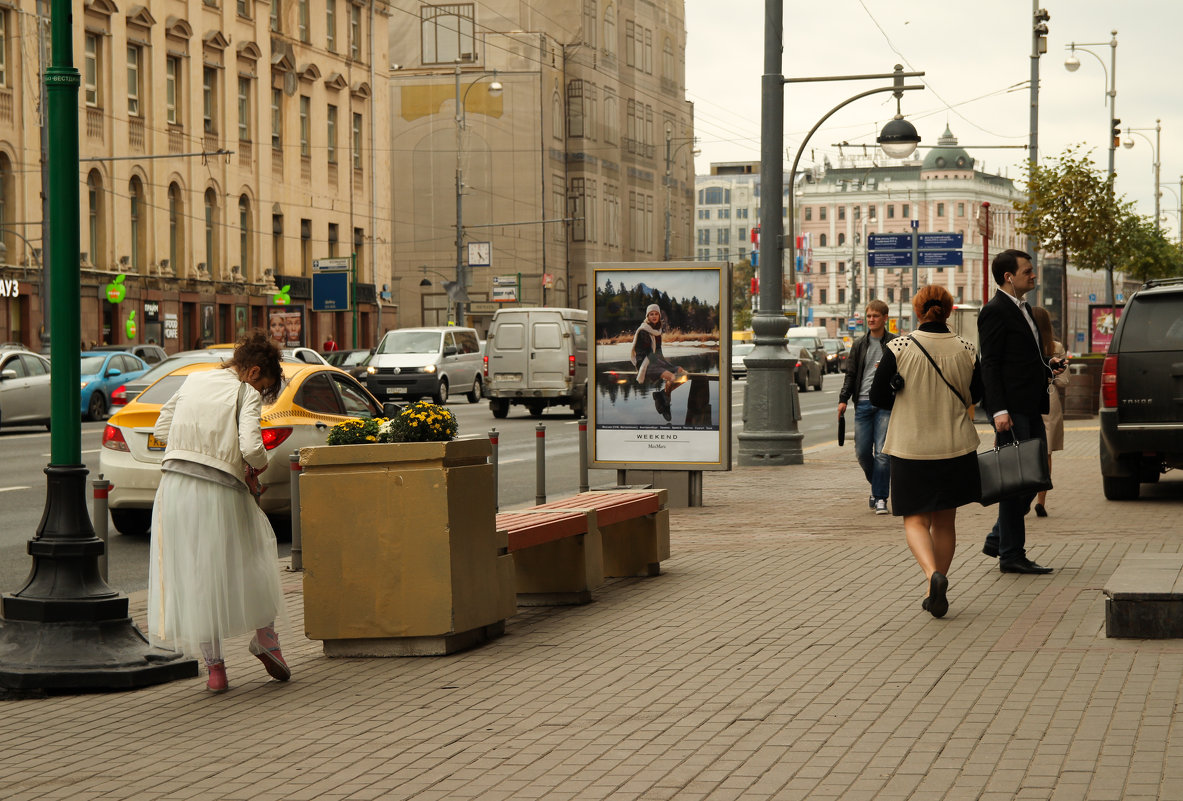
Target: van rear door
<point x="548" y="359"/>
<point x="508" y="356"/>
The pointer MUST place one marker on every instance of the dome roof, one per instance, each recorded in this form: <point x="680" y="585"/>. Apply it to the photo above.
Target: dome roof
<point x="947" y="155"/>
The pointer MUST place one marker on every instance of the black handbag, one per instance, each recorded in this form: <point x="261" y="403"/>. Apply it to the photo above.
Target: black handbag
<point x="1015" y="468"/>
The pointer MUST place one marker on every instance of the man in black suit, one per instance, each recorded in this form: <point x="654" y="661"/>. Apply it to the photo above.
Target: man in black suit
<point x="1015" y="376"/>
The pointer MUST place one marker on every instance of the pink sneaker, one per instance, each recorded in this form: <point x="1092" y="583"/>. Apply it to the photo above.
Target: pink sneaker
<point x="272" y="659"/>
<point x="217" y="682"/>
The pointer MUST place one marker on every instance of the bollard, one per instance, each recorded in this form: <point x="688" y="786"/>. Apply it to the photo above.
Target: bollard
<point x="540" y="465"/>
<point x="493" y="461"/>
<point x="102" y="488"/>
<point x="297" y="540"/>
<point x="583" y="455"/>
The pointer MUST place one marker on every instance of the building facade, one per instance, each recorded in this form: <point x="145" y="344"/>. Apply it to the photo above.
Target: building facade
<point x="529" y="141"/>
<point x="224" y="146"/>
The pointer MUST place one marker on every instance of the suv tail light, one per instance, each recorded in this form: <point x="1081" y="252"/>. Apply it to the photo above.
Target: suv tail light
<point x="113" y="439"/>
<point x="273" y="437"/>
<point x="1109" y="383"/>
<point x="571" y="365"/>
<point x="119" y="396"/>
<point x="485" y="367"/>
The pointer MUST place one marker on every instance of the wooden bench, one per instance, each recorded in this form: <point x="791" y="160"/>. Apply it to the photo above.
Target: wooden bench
<point x="566" y="548"/>
<point x="1144" y="597"/>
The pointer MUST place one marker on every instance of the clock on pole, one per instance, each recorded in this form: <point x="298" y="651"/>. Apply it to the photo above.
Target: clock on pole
<point x="479" y="254"/>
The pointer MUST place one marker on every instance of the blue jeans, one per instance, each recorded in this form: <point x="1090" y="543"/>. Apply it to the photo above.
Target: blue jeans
<point x="870" y="429"/>
<point x="1009" y="534"/>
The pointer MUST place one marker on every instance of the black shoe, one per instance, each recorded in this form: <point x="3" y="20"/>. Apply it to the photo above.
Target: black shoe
<point x="938" y="604"/>
<point x="924" y="603"/>
<point x="991" y="550"/>
<point x="1023" y="565"/>
<point x="1040" y="511"/>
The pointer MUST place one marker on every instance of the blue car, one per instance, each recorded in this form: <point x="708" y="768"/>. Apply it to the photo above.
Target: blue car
<point x="102" y="374"/>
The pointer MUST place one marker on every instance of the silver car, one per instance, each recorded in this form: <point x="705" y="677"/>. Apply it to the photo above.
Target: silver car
<point x="24" y="388"/>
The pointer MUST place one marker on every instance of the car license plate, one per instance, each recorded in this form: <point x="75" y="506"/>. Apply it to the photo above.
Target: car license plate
<point x="155" y="444"/>
<point x="398" y="390"/>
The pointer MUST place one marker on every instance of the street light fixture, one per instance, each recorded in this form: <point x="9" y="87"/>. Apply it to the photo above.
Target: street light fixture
<point x="670" y="155"/>
<point x="495" y="88"/>
<point x="1155" y="150"/>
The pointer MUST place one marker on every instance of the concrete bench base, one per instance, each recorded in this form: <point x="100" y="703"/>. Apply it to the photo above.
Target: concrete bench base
<point x="1144" y="597"/>
<point x="414" y="646"/>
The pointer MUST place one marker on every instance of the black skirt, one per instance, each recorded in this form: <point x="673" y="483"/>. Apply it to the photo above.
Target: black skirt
<point x="919" y="486"/>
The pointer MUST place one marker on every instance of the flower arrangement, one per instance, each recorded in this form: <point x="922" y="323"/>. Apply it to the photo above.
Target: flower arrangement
<point x="420" y="422"/>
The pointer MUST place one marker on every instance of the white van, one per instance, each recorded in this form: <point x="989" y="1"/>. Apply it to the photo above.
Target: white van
<point x="818" y="331"/>
<point x="411" y="363"/>
<point x="537" y="357"/>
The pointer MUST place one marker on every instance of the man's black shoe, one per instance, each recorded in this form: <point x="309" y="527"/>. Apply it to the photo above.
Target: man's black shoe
<point x="1023" y="565"/>
<point x="990" y="550"/>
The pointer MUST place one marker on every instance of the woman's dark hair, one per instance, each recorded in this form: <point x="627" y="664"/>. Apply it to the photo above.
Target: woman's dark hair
<point x="257" y="350"/>
<point x="932" y="304"/>
<point x="1043" y="321"/>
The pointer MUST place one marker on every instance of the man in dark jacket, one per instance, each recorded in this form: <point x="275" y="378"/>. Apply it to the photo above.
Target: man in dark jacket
<point x="1015" y="376"/>
<point x="870" y="423"/>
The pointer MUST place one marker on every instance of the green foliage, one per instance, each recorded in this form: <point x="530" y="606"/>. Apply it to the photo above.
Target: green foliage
<point x="622" y="309"/>
<point x="741" y="303"/>
<point x="1142" y="252"/>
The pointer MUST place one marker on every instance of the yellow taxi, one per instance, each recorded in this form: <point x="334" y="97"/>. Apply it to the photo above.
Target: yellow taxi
<point x="314" y="397"/>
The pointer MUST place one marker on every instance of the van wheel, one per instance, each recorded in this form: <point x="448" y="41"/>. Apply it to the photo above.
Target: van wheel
<point x="132" y="522"/>
<point x="475" y="395"/>
<point x="1120" y="488"/>
<point x="536" y="409"/>
<point x="499" y="407"/>
<point x="441" y="394"/>
<point x="579" y="407"/>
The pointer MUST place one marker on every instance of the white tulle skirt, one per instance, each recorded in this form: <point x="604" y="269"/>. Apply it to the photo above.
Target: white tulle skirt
<point x="214" y="568"/>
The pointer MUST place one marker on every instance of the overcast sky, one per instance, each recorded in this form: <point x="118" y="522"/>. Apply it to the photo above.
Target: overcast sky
<point x="972" y="53"/>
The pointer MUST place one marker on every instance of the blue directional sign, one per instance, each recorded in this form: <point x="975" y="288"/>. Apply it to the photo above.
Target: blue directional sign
<point x="939" y="258"/>
<point x="924" y="258"/>
<point x="890" y="258"/>
<point x="330" y="291"/>
<point x="889" y="241"/>
<point x="944" y="241"/>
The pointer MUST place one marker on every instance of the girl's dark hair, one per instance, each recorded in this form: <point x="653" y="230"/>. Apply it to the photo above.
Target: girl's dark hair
<point x="932" y="304"/>
<point x="257" y="350"/>
<point x="1043" y="321"/>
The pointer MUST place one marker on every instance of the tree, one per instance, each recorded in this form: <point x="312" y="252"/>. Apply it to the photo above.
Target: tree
<point x="1142" y="252"/>
<point x="741" y="305"/>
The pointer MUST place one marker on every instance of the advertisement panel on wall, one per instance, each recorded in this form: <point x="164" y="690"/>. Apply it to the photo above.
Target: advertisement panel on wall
<point x="285" y="324"/>
<point x="1102" y="323"/>
<point x="660" y="370"/>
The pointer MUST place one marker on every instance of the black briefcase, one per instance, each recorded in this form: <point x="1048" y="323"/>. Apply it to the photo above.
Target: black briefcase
<point x="1014" y="469"/>
<point x="841" y="430"/>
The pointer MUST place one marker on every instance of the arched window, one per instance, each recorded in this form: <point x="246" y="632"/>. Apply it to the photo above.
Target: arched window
<point x="97" y="235"/>
<point x="244" y="235"/>
<point x="7" y="206"/>
<point x="841" y="239"/>
<point x="590" y="19"/>
<point x="556" y="111"/>
<point x="822" y="241"/>
<point x="135" y="197"/>
<point x="610" y="30"/>
<point x="176" y="228"/>
<point x="667" y="59"/>
<point x="211" y="236"/>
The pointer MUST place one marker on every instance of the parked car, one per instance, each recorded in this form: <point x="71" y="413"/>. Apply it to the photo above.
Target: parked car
<point x="412" y="363"/>
<point x="151" y="354"/>
<point x="24" y="388"/>
<point x="738" y="351"/>
<point x="537" y="357"/>
<point x="102" y="372"/>
<point x="1141" y="382"/>
<point x="122" y="395"/>
<point x="313" y="399"/>
<point x="808" y="370"/>
<point x="813" y="344"/>
<point x="351" y="361"/>
<point x="835" y="355"/>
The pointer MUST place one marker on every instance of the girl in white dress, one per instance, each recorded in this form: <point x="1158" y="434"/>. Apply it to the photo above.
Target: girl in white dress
<point x="214" y="567"/>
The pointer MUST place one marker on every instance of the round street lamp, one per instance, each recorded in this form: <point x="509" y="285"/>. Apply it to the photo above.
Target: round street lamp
<point x="899" y="138"/>
<point x="1072" y="63"/>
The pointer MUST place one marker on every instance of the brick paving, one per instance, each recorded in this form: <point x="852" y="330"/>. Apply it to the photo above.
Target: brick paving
<point x="783" y="654"/>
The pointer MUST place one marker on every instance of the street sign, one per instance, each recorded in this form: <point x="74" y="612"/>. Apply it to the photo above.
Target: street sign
<point x="889" y="241"/>
<point x="890" y="258"/>
<point x="330" y="265"/>
<point x="924" y="258"/>
<point x="481" y="307"/>
<point x="851" y="325"/>
<point x="1092" y="297"/>
<point x="915" y="224"/>
<point x="945" y="241"/>
<point x="330" y="291"/>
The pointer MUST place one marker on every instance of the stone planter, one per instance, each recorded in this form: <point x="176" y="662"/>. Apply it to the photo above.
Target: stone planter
<point x="401" y="556"/>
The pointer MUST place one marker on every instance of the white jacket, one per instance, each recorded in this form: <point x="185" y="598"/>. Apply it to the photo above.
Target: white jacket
<point x="199" y="426"/>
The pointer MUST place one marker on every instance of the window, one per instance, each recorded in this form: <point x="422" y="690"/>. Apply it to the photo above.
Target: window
<point x="575" y="109"/>
<point x="211" y="236"/>
<point x="841" y="239"/>
<point x="135" y="197"/>
<point x="243" y="7"/>
<point x="276" y="16"/>
<point x="872" y="213"/>
<point x="940" y="209"/>
<point x="743" y="234"/>
<point x="667" y="59"/>
<point x="822" y="267"/>
<point x="723" y="236"/>
<point x="841" y="295"/>
<point x="172" y="88"/>
<point x="891" y="211"/>
<point x="93" y="54"/>
<point x="176" y="231"/>
<point x="960" y="209"/>
<point x="97" y="223"/>
<point x="334" y="238"/>
<point x="3" y="47"/>
<point x="610" y="30"/>
<point x="134" y="58"/>
<point x="357" y="141"/>
<point x="447" y="32"/>
<point x="590" y="23"/>
<point x="858" y="212"/>
<point x="841" y="212"/>
<point x="331" y="25"/>
<point x="305" y="123"/>
<point x="277" y="243"/>
<point x="821" y="297"/>
<point x="808" y="213"/>
<point x="331" y="132"/>
<point x="611" y="117"/>
<point x="724" y="214"/>
<point x="821" y="212"/>
<point x="630" y="43"/>
<point x="704" y="236"/>
<point x="648" y="62"/>
<point x="244" y="234"/>
<point x="244" y="109"/>
<point x="209" y="98"/>
<point x="277" y="118"/>
<point x="821" y="241"/>
<point x="302" y="20"/>
<point x="906" y="211"/>
<point x="355" y="46"/>
<point x="359" y="251"/>
<point x="576" y="210"/>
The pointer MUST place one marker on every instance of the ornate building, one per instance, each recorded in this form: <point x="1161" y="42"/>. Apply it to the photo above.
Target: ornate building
<point x="224" y="145"/>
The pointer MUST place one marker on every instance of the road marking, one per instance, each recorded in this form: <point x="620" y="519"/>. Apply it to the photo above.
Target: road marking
<point x="10" y="489"/>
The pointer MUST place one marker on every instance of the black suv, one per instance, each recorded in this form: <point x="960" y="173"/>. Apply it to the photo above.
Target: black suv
<point x="1142" y="391"/>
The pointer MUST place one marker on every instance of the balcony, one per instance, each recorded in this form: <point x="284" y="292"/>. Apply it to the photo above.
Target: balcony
<point x="94" y="123"/>
<point x="333" y="176"/>
<point x="245" y="154"/>
<point x="135" y="133"/>
<point x="176" y="139"/>
<point x="359" y="181"/>
<point x="210" y="142"/>
<point x="6" y="106"/>
<point x="277" y="164"/>
<point x="305" y="168"/>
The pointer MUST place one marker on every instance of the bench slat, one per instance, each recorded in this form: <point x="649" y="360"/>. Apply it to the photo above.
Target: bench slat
<point x="529" y="528"/>
<point x="610" y="507"/>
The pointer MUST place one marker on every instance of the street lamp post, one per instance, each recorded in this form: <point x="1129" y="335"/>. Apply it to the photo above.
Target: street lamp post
<point x="461" y="120"/>
<point x="670" y="155"/>
<point x="1156" y="150"/>
<point x="770" y="435"/>
<point x="1072" y="64"/>
<point x="1178" y="204"/>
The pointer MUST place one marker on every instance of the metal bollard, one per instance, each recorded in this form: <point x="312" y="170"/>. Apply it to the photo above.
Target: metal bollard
<point x="102" y="488"/>
<point x="297" y="539"/>
<point x="493" y="461"/>
<point x="583" y="455"/>
<point x="540" y="465"/>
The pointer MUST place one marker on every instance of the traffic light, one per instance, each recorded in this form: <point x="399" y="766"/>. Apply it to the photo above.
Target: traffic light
<point x="1041" y="18"/>
<point x="1116" y="133"/>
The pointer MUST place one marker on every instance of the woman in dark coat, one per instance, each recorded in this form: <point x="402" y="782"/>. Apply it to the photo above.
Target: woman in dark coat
<point x="651" y="365"/>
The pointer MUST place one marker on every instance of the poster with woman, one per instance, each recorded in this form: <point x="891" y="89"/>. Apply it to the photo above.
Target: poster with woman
<point x="660" y="369"/>
<point x="285" y="325"/>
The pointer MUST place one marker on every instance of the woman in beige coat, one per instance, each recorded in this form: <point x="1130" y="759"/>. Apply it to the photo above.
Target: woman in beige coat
<point x="1053" y="421"/>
